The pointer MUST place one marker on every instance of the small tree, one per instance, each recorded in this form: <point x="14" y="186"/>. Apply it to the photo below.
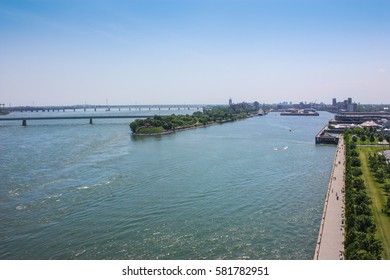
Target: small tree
<point x="363" y="138"/>
<point x="380" y="176"/>
<point x="372" y="138"/>
<point x="135" y="125"/>
<point x="386" y="187"/>
<point x="354" y="138"/>
<point x="387" y="207"/>
<point x="355" y="162"/>
<point x="358" y="183"/>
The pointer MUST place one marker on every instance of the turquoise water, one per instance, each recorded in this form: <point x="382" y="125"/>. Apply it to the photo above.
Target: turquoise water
<point x="251" y="189"/>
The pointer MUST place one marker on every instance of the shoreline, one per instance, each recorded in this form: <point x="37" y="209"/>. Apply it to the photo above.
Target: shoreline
<point x="183" y="129"/>
<point x="330" y="242"/>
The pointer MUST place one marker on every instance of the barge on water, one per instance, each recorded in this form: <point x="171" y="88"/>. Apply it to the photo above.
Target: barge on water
<point x="300" y="112"/>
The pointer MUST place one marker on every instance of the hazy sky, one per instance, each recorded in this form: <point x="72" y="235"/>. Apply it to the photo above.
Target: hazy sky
<point x="193" y="51"/>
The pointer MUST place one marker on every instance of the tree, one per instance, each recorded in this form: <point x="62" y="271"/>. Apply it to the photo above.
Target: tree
<point x="362" y="198"/>
<point x="354" y="153"/>
<point x="356" y="171"/>
<point x="372" y="138"/>
<point x="354" y="138"/>
<point x="380" y="176"/>
<point x="386" y="187"/>
<point x="363" y="138"/>
<point x="355" y="162"/>
<point x="134" y="126"/>
<point x="387" y="207"/>
<point x="363" y="209"/>
<point x="358" y="183"/>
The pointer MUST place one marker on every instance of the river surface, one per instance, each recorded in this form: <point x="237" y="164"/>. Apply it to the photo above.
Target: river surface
<point x="251" y="189"/>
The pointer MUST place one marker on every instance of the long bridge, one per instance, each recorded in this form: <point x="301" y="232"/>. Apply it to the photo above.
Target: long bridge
<point x="25" y="119"/>
<point x="104" y="107"/>
<point x="92" y="108"/>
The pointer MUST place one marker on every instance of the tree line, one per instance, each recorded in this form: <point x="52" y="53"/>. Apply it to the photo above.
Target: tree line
<point x="380" y="168"/>
<point x="365" y="135"/>
<point x="360" y="240"/>
<point x="216" y="114"/>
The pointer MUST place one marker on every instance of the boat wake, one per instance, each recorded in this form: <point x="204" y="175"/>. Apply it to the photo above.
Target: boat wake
<point x="284" y="148"/>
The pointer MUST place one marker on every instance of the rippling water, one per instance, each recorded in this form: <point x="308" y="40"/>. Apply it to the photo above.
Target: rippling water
<point x="251" y="189"/>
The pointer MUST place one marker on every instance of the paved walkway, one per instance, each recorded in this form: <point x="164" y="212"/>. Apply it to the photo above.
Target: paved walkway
<point x="331" y="236"/>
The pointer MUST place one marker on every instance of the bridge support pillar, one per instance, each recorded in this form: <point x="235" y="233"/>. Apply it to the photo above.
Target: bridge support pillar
<point x="90" y="121"/>
<point x="24" y="123"/>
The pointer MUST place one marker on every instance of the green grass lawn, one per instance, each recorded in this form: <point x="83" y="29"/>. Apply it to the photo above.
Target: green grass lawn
<point x="375" y="191"/>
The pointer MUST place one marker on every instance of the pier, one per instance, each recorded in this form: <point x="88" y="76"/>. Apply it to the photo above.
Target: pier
<point x="25" y="119"/>
<point x="331" y="235"/>
<point x="327" y="136"/>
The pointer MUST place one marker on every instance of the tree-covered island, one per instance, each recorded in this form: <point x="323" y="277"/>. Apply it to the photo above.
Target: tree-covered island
<point x="214" y="115"/>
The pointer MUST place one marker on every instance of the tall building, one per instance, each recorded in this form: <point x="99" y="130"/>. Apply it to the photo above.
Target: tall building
<point x="230" y="102"/>
<point x="334" y="102"/>
<point x="352" y="107"/>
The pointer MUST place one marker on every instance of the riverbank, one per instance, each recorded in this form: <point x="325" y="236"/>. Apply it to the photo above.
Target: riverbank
<point x="178" y="129"/>
<point x="331" y="235"/>
<point x="165" y="124"/>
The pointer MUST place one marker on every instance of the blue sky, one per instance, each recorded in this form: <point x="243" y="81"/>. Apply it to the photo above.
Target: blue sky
<point x="143" y="52"/>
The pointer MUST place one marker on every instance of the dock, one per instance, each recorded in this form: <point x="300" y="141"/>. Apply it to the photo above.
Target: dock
<point x="331" y="235"/>
<point x="327" y="136"/>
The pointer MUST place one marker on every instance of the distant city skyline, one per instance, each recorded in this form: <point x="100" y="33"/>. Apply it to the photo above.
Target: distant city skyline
<point x="193" y="52"/>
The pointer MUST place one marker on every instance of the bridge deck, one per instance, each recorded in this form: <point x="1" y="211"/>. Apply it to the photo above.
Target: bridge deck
<point x="75" y="117"/>
<point x="25" y="119"/>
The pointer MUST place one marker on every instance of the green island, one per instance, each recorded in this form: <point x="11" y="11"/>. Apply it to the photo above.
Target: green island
<point x="158" y="125"/>
<point x="367" y="195"/>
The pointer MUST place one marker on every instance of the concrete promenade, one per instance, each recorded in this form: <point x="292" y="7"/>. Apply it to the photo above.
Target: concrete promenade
<point x="331" y="236"/>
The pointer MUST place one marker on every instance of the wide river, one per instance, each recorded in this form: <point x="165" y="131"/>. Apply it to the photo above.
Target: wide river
<point x="252" y="189"/>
